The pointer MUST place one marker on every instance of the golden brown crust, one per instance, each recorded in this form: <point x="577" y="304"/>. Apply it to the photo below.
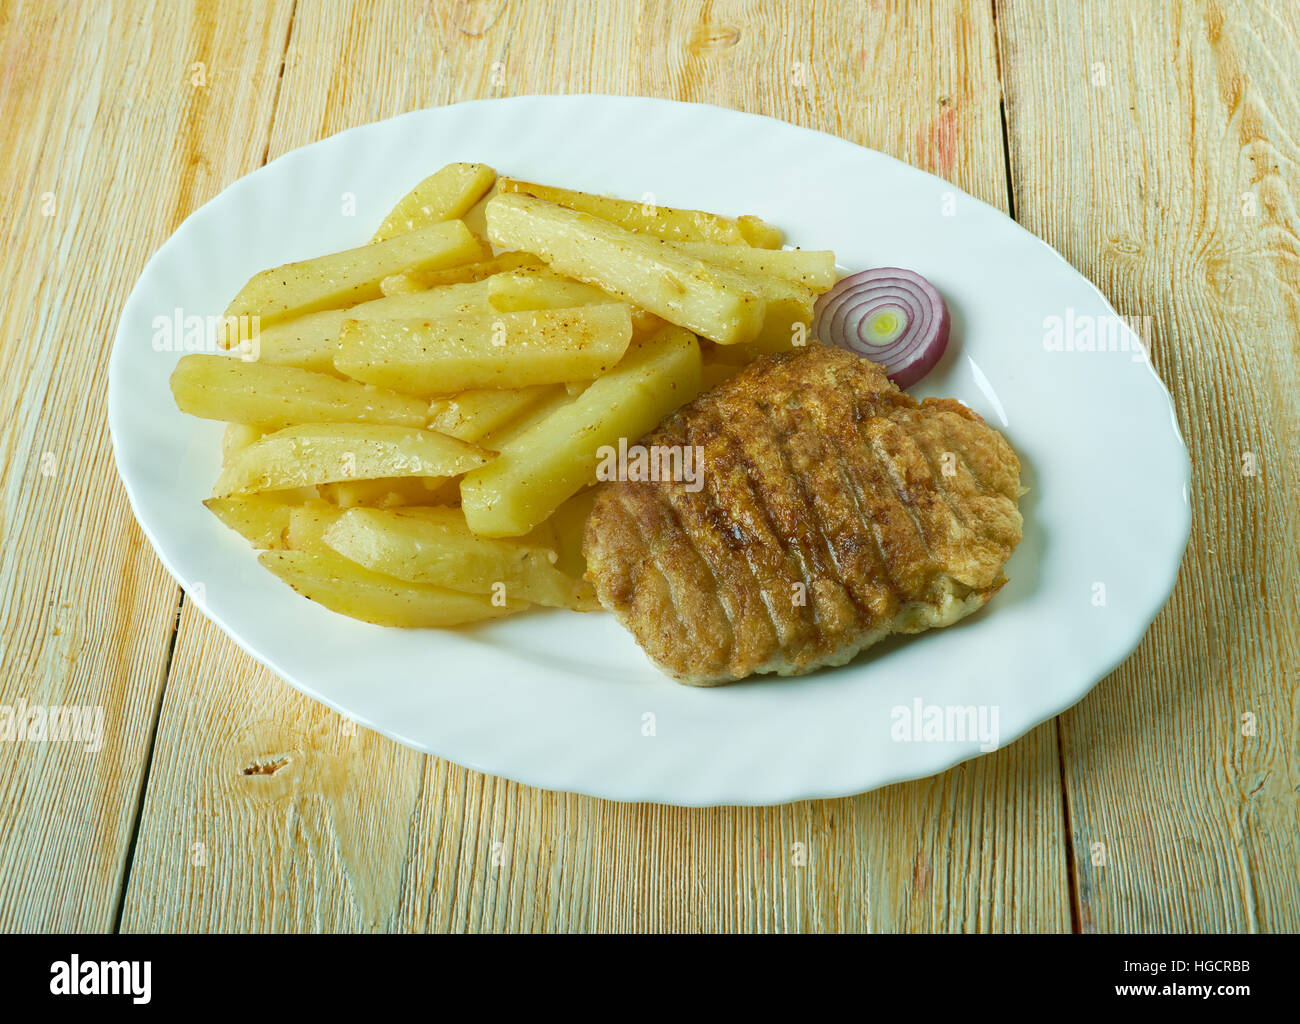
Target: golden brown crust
<point x="835" y="510"/>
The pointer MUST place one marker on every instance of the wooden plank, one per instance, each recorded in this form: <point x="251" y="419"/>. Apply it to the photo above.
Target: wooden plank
<point x="105" y="145"/>
<point x="1183" y="151"/>
<point x="351" y="832"/>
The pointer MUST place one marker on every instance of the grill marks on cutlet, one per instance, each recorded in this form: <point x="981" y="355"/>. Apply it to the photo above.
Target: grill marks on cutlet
<point x="909" y="476"/>
<point x="798" y="485"/>
<point x="961" y="489"/>
<point x="941" y="480"/>
<point x="984" y="488"/>
<point x="851" y="583"/>
<point x="859" y="484"/>
<point x="942" y="411"/>
<point x="959" y="526"/>
<point x="819" y="473"/>
<point x="726" y="523"/>
<point x="804" y="449"/>
<point x="792" y="539"/>
<point x="703" y="612"/>
<point x="866" y="572"/>
<point x="903" y="550"/>
<point x="641" y="581"/>
<point x="807" y="502"/>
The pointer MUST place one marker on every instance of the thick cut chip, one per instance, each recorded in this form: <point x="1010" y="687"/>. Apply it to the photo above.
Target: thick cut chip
<point x="353" y="275"/>
<point x="712" y="301"/>
<point x="487" y="350"/>
<point x="308" y="523"/>
<point x="437" y="547"/>
<point x="661" y="221"/>
<point x="812" y="268"/>
<point x="444" y="195"/>
<point x="224" y="388"/>
<point x="310" y="342"/>
<point x="353" y="590"/>
<point x="558" y="456"/>
<point x="385" y="492"/>
<point x="262" y="521"/>
<point x="237" y="436"/>
<point x="472" y="415"/>
<point x="420" y="280"/>
<point x="319" y="453"/>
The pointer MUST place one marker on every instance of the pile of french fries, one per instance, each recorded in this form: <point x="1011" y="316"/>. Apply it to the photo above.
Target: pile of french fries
<point x="413" y="427"/>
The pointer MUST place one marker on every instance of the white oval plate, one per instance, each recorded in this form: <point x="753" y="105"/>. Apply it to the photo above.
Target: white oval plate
<point x="568" y="701"/>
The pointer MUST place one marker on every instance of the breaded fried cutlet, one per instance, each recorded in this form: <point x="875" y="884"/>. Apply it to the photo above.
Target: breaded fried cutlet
<point x="834" y="510"/>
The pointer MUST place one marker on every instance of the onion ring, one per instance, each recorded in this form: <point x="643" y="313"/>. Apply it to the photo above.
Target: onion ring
<point x="891" y="316"/>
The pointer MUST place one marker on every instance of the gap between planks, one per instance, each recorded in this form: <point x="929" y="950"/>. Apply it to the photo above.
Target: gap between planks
<point x="1071" y="876"/>
<point x="147" y="774"/>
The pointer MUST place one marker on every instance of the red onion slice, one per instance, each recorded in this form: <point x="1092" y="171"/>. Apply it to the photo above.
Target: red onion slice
<point x="891" y="316"/>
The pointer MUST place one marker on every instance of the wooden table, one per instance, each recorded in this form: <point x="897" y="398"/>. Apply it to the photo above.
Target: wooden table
<point x="1155" y="143"/>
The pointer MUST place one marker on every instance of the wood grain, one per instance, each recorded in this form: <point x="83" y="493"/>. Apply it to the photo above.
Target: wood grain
<point x="1184" y="153"/>
<point x="105" y="146"/>
<point x="348" y="831"/>
<point x="1154" y="143"/>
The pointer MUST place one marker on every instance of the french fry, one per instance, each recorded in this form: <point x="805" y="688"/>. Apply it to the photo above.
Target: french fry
<point x="321" y="453"/>
<point x="556" y="398"/>
<point x="513" y="292"/>
<point x="437" y="547"/>
<point x="541" y="288"/>
<point x="223" y="388"/>
<point x="486" y="350"/>
<point x="788" y="310"/>
<point x="446" y="194"/>
<point x="472" y="415"/>
<point x="308" y="523"/>
<point x="787" y="316"/>
<point x="569" y="521"/>
<point x="439" y="300"/>
<point x="237" y="436"/>
<point x="343" y="586"/>
<point x="645" y="271"/>
<point x="351" y="276"/>
<point x="540" y="536"/>
<point x="420" y="280"/>
<point x="309" y="342"/>
<point x="262" y="521"/>
<point x="661" y="221"/>
<point x="537" y="471"/>
<point x="812" y="268"/>
<point x="385" y="492"/>
<point x="474" y="218"/>
<point x="401" y="284"/>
